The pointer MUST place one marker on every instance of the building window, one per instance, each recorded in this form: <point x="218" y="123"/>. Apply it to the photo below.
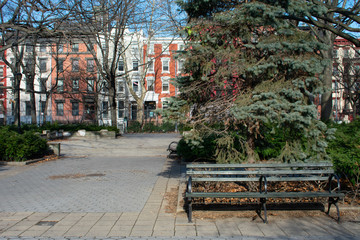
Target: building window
<point x="335" y="53"/>
<point x="27" y="85"/>
<point x="90" y="47"/>
<point x="357" y="53"/>
<point x="75" y="65"/>
<point x="42" y="106"/>
<point x="29" y="48"/>
<point x="60" y="85"/>
<point x="60" y="65"/>
<point x="60" y="48"/>
<point x="180" y="65"/>
<point x="90" y="85"/>
<point x="27" y="108"/>
<point x="165" y="104"/>
<point x="121" y="65"/>
<point x="134" y="112"/>
<point x="75" y="108"/>
<point x="43" y="67"/>
<point x="1" y="72"/>
<point x="165" y="84"/>
<point x="121" y="108"/>
<point x="135" y="65"/>
<point x="165" y="65"/>
<point x="135" y="85"/>
<point x="165" y="49"/>
<point x="150" y="84"/>
<point x="42" y="85"/>
<point x="121" y="87"/>
<point x="43" y="47"/>
<point x="151" y="65"/>
<point x="75" y="85"/>
<point x="2" y="90"/>
<point x="105" y="109"/>
<point x="90" y="65"/>
<point x="59" y="109"/>
<point x="135" y="51"/>
<point x="152" y="49"/>
<point x="75" y="47"/>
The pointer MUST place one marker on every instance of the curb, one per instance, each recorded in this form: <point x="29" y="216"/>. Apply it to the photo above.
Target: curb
<point x="4" y="163"/>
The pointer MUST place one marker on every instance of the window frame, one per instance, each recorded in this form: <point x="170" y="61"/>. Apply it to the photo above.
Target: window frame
<point x="58" y="112"/>
<point x="163" y="61"/>
<point x="75" y="87"/>
<point x="75" y="67"/>
<point x="43" y="65"/>
<point x="150" y="79"/>
<point x="60" y="87"/>
<point x="75" y="111"/>
<point x="165" y="80"/>
<point x="121" y="110"/>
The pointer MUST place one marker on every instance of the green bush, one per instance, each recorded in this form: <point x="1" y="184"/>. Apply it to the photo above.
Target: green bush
<point x="150" y="127"/>
<point x="193" y="150"/>
<point x="21" y="147"/>
<point x="344" y="150"/>
<point x="134" y="127"/>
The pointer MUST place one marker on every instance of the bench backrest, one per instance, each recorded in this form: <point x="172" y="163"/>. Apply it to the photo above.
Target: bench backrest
<point x="317" y="171"/>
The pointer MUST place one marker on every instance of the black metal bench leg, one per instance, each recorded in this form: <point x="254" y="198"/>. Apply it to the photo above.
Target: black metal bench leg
<point x="263" y="201"/>
<point x="263" y="207"/>
<point x="190" y="210"/>
<point x="331" y="202"/>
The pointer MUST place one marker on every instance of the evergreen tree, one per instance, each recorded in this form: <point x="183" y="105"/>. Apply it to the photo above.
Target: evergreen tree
<point x="326" y="19"/>
<point x="246" y="68"/>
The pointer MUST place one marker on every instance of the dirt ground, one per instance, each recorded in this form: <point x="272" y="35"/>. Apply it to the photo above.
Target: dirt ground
<point x="349" y="209"/>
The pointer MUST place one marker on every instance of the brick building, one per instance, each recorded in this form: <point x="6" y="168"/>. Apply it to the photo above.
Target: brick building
<point x="74" y="80"/>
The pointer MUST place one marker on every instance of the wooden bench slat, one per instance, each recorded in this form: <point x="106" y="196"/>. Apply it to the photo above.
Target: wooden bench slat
<point x="269" y="179"/>
<point x="260" y="172"/>
<point x="264" y="165"/>
<point x="263" y="195"/>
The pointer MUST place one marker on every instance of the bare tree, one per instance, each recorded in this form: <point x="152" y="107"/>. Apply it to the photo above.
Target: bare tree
<point x="158" y="20"/>
<point x="106" y="22"/>
<point x="347" y="86"/>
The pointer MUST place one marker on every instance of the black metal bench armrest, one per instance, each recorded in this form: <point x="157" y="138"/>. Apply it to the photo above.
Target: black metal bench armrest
<point x="330" y="181"/>
<point x="261" y="180"/>
<point x="189" y="185"/>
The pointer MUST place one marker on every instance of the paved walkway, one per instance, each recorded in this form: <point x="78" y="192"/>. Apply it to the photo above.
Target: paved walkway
<point x="125" y="188"/>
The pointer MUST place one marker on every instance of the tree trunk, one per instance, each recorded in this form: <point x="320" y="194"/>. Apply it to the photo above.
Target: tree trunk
<point x="17" y="79"/>
<point x="326" y="98"/>
<point x="140" y="111"/>
<point x="45" y="110"/>
<point x="112" y="101"/>
<point x="33" y="104"/>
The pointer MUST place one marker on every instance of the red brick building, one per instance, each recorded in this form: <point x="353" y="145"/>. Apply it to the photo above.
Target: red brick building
<point x="163" y="67"/>
<point x="74" y="79"/>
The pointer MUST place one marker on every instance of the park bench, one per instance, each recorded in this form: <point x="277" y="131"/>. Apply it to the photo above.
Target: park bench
<point x="262" y="175"/>
<point x="172" y="149"/>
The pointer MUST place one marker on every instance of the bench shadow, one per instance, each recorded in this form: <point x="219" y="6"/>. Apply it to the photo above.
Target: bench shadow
<point x="254" y="206"/>
<point x="174" y="168"/>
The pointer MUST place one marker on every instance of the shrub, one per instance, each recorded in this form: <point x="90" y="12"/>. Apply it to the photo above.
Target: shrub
<point x="194" y="149"/>
<point x="134" y="127"/>
<point x="344" y="150"/>
<point x="21" y="147"/>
